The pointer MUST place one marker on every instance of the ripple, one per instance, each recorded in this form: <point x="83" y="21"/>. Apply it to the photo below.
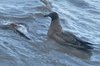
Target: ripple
<point x="80" y="3"/>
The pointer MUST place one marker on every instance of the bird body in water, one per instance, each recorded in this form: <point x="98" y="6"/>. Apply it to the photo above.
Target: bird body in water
<point x="56" y="33"/>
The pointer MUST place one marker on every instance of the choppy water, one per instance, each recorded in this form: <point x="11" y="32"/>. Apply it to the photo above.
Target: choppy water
<point x="82" y="17"/>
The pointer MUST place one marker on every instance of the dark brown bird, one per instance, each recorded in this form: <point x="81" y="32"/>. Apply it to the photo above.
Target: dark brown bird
<point x="56" y="33"/>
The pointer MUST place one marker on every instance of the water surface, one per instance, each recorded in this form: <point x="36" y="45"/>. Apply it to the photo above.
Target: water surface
<point x="82" y="17"/>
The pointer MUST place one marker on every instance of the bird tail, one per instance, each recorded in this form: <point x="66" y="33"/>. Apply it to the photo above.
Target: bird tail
<point x="85" y="46"/>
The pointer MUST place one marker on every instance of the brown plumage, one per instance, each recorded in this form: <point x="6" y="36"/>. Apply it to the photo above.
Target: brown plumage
<point x="56" y="33"/>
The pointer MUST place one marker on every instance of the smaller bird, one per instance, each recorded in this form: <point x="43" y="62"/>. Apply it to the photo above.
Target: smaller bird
<point x="21" y="29"/>
<point x="56" y="33"/>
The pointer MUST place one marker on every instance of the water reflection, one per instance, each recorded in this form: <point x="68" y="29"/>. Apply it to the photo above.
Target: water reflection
<point x="69" y="50"/>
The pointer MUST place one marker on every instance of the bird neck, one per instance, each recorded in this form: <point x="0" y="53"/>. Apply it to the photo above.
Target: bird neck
<point x="54" y="27"/>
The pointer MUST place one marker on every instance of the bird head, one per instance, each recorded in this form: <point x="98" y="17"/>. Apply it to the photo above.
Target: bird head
<point x="53" y="16"/>
<point x="13" y="25"/>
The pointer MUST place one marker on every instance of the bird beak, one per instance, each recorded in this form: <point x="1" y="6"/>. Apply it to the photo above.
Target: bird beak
<point x="46" y="15"/>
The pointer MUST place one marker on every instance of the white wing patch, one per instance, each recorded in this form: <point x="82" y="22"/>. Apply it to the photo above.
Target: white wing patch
<point x="23" y="30"/>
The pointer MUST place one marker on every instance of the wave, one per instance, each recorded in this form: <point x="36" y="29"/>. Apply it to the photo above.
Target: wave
<point x="80" y="3"/>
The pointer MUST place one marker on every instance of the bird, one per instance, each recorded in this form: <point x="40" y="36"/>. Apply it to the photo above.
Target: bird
<point x="67" y="38"/>
<point x="21" y="29"/>
<point x="18" y="28"/>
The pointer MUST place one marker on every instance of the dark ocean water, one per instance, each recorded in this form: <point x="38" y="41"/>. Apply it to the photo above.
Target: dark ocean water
<point x="81" y="17"/>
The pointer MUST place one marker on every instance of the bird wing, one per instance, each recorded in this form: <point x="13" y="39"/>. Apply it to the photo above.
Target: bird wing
<point x="72" y="40"/>
<point x="68" y="37"/>
<point x="22" y="34"/>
